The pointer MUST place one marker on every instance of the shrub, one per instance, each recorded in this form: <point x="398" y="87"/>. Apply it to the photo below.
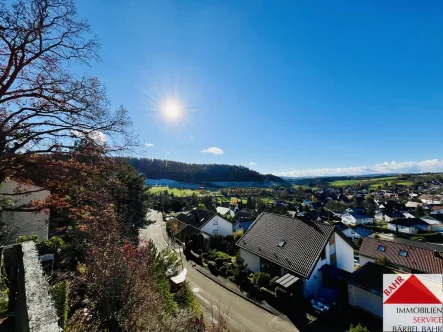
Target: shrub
<point x="229" y="273"/>
<point x="266" y="292"/>
<point x="357" y="328"/>
<point x="273" y="280"/>
<point x="24" y="238"/>
<point x="222" y="270"/>
<point x="212" y="267"/>
<point x="205" y="255"/>
<point x="219" y="261"/>
<point x="59" y="293"/>
<point x="262" y="279"/>
<point x="54" y="245"/>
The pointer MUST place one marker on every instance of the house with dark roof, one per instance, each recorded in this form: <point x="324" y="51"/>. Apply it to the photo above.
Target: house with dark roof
<point x="281" y="245"/>
<point x="245" y="215"/>
<point x="405" y="255"/>
<point x="408" y="225"/>
<point x="389" y="215"/>
<point x="349" y="232"/>
<point x="352" y="218"/>
<point x="242" y="225"/>
<point x="206" y="222"/>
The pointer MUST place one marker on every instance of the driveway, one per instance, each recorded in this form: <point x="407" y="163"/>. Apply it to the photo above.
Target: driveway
<point x="242" y="315"/>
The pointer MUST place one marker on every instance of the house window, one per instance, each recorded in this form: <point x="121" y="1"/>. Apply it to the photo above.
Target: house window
<point x="215" y="232"/>
<point x="381" y="248"/>
<point x="323" y="254"/>
<point x="215" y="222"/>
<point x="403" y="253"/>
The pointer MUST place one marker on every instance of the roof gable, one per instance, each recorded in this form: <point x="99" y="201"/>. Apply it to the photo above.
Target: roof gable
<point x="304" y="241"/>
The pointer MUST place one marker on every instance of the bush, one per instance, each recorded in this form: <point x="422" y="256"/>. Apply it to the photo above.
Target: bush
<point x="205" y="255"/>
<point x="262" y="279"/>
<point x="54" y="245"/>
<point x="222" y="270"/>
<point x="267" y="293"/>
<point x="212" y="267"/>
<point x="24" y="238"/>
<point x="230" y="273"/>
<point x="219" y="261"/>
<point x="357" y="328"/>
<point x="59" y="293"/>
<point x="273" y="280"/>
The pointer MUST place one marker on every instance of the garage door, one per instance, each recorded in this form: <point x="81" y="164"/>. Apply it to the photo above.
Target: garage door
<point x="369" y="301"/>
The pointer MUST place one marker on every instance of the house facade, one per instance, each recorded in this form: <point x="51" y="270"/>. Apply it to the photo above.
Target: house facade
<point x="437" y="209"/>
<point x="432" y="199"/>
<point x="281" y="245"/>
<point x="217" y="225"/>
<point x="351" y="218"/>
<point x="24" y="223"/>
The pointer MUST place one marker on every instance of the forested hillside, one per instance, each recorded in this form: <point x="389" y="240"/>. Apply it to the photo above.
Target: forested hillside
<point x="195" y="173"/>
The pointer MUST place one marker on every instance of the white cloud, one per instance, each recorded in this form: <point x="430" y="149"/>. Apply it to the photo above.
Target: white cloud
<point x="431" y="165"/>
<point x="214" y="150"/>
<point x="150" y="145"/>
<point x="96" y="135"/>
<point x="252" y="163"/>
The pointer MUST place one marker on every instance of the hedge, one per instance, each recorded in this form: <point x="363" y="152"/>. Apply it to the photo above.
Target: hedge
<point x="59" y="293"/>
<point x="267" y="292"/>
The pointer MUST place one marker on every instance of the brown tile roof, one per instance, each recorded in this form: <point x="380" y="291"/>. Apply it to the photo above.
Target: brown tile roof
<point x="437" y="207"/>
<point x="420" y="255"/>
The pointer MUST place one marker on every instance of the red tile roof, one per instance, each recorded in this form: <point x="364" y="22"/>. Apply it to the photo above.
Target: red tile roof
<point x="420" y="256"/>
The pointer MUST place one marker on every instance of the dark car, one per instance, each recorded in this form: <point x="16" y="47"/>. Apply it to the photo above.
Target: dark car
<point x="325" y="299"/>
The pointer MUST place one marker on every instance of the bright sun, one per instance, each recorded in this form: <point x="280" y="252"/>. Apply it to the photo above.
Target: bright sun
<point x="172" y="109"/>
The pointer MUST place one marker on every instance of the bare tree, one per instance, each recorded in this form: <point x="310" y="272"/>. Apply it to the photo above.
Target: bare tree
<point x="43" y="107"/>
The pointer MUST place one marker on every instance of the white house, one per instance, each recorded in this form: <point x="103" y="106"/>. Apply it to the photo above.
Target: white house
<point x="356" y="219"/>
<point x="223" y="211"/>
<point x="388" y="216"/>
<point x="432" y="199"/>
<point x="24" y="223"/>
<point x="217" y="225"/>
<point x="295" y="249"/>
<point x="409" y="225"/>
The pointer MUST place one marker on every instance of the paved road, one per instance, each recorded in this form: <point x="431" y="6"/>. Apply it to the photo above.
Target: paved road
<point x="242" y="315"/>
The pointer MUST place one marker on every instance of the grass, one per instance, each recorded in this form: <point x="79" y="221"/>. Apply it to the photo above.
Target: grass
<point x="374" y="183"/>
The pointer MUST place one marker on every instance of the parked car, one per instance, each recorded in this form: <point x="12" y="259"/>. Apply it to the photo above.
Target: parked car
<point x="325" y="299"/>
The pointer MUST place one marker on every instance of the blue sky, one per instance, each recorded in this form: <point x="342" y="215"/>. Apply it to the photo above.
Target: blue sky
<point x="294" y="87"/>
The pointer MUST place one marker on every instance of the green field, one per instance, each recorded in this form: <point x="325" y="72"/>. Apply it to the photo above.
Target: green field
<point x="181" y="192"/>
<point x="373" y="183"/>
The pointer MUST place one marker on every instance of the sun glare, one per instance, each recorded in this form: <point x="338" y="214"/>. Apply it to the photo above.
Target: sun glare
<point x="172" y="109"/>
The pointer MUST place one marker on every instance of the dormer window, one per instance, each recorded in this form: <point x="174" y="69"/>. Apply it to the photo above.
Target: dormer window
<point x="403" y="253"/>
<point x="282" y="243"/>
<point x="381" y="248"/>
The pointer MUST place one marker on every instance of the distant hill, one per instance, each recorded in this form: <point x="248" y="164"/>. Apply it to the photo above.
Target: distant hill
<point x="198" y="173"/>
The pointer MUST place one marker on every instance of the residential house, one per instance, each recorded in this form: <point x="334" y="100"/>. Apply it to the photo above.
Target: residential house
<point x="206" y="222"/>
<point x="405" y="255"/>
<point x="408" y="225"/>
<point x="284" y="246"/>
<point x="388" y="216"/>
<point x="347" y="231"/>
<point x="315" y="205"/>
<point x="363" y="231"/>
<point x="391" y="205"/>
<point x="438" y="209"/>
<point x="245" y="215"/>
<point x="242" y="225"/>
<point x="365" y="288"/>
<point x="411" y="206"/>
<point x="352" y="218"/>
<point x="223" y="211"/>
<point x="358" y="210"/>
<point x="432" y="199"/>
<point x="23" y="222"/>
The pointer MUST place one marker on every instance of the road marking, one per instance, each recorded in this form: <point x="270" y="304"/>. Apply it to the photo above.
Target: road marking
<point x="195" y="290"/>
<point x="203" y="299"/>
